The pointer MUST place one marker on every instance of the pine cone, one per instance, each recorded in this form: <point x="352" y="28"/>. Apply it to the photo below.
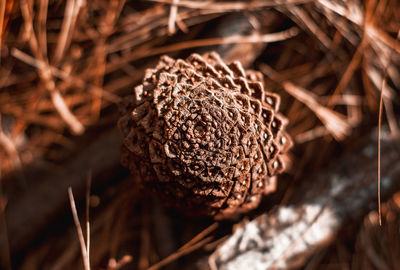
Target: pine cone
<point x="204" y="135"/>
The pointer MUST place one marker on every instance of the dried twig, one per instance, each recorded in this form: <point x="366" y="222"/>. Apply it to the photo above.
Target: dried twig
<point x="43" y="202"/>
<point x="41" y="26"/>
<point x="379" y="137"/>
<point x="180" y="253"/>
<point x="7" y="143"/>
<point x="64" y="76"/>
<point x="2" y="12"/>
<point x="88" y="186"/>
<point x="46" y="75"/>
<point x="232" y="6"/>
<point x="196" y="242"/>
<point x="255" y="38"/>
<point x="332" y="120"/>
<point x="84" y="249"/>
<point x="172" y="17"/>
<point x="301" y="15"/>
<point x="199" y="236"/>
<point x="355" y="61"/>
<point x="71" y="13"/>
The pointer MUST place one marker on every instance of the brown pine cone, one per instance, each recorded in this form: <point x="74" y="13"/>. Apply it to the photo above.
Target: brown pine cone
<point x="204" y="135"/>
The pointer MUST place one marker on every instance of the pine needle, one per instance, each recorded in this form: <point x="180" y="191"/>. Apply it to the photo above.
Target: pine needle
<point x="84" y="250"/>
<point x="379" y="134"/>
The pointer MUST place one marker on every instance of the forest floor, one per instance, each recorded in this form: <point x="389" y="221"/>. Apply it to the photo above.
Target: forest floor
<point x="67" y="65"/>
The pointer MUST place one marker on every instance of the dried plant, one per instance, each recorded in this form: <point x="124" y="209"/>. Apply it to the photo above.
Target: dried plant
<point x="65" y="64"/>
<point x="205" y="135"/>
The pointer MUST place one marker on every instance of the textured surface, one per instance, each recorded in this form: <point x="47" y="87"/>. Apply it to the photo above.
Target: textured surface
<point x="287" y="236"/>
<point x="204" y="135"/>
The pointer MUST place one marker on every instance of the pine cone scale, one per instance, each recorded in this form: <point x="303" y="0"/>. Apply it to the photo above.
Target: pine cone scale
<point x="205" y="135"/>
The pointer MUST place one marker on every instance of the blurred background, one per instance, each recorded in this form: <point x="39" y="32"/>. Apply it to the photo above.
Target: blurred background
<point x="66" y="65"/>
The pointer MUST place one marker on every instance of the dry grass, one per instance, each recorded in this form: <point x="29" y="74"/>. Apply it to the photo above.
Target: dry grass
<point x="64" y="66"/>
<point x="377" y="245"/>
